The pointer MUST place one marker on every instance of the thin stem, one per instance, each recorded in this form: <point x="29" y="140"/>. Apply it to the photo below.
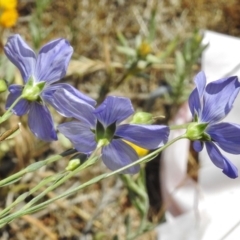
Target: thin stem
<point x="62" y="179"/>
<point x="58" y="182"/>
<point x="13" y="178"/>
<point x="17" y="176"/>
<point x="8" y="208"/>
<point x="42" y="205"/>
<point x="88" y="183"/>
<point x="122" y="79"/>
<point x="8" y="113"/>
<point x="128" y="72"/>
<point x="153" y="154"/>
<point x="141" y="228"/>
<point x="176" y="127"/>
<point x="45" y="181"/>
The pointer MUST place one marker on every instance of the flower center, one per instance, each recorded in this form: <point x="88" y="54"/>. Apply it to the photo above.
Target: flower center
<point x="105" y="134"/>
<point x="32" y="90"/>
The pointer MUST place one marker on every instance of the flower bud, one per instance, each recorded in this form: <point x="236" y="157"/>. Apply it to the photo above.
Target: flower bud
<point x="3" y="85"/>
<point x="76" y="161"/>
<point x="73" y="164"/>
<point x="142" y="118"/>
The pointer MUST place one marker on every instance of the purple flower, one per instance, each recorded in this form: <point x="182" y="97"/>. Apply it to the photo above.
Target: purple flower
<point x="39" y="74"/>
<point x="102" y="125"/>
<point x="209" y="105"/>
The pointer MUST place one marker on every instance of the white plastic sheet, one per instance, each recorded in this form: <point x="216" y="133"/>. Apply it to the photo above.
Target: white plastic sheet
<point x="210" y="208"/>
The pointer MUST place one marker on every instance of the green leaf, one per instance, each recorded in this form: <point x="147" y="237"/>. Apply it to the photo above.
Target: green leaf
<point x="35" y="166"/>
<point x="122" y="39"/>
<point x="11" y="182"/>
<point x="180" y="63"/>
<point x="3" y="85"/>
<point x="152" y="26"/>
<point x="142" y="118"/>
<point x="153" y="59"/>
<point x="127" y="50"/>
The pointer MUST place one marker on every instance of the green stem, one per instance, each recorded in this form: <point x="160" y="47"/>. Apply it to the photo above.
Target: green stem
<point x="151" y="155"/>
<point x="8" y="113"/>
<point x="13" y="178"/>
<point x="133" y="186"/>
<point x="17" y="176"/>
<point x="92" y="159"/>
<point x="141" y="228"/>
<point x="58" y="182"/>
<point x="122" y="79"/>
<point x="22" y="197"/>
<point x="61" y="179"/>
<point x="176" y="127"/>
<point x="40" y="206"/>
<point x="130" y="71"/>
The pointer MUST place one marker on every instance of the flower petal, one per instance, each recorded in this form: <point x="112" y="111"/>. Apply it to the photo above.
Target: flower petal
<point x="220" y="161"/>
<point x="146" y="136"/>
<point x="200" y="81"/>
<point x="119" y="154"/>
<point x="22" y="106"/>
<point x="51" y="89"/>
<point x="53" y="60"/>
<point x="80" y="135"/>
<point x="114" y="109"/>
<point x="218" y="99"/>
<point x="194" y="102"/>
<point x="215" y="155"/>
<point x="69" y="105"/>
<point x="231" y="170"/>
<point x="198" y="146"/>
<point x="40" y="122"/>
<point x="195" y="97"/>
<point x="226" y="136"/>
<point x="50" y="95"/>
<point x="21" y="55"/>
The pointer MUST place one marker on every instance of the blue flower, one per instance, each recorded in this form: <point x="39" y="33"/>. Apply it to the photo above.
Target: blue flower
<point x="209" y="105"/>
<point x="103" y="125"/>
<point x="39" y="74"/>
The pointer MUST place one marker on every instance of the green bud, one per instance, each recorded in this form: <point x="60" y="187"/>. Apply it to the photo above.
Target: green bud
<point x="142" y="118"/>
<point x="73" y="164"/>
<point x="3" y="85"/>
<point x="195" y="131"/>
<point x="32" y="90"/>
